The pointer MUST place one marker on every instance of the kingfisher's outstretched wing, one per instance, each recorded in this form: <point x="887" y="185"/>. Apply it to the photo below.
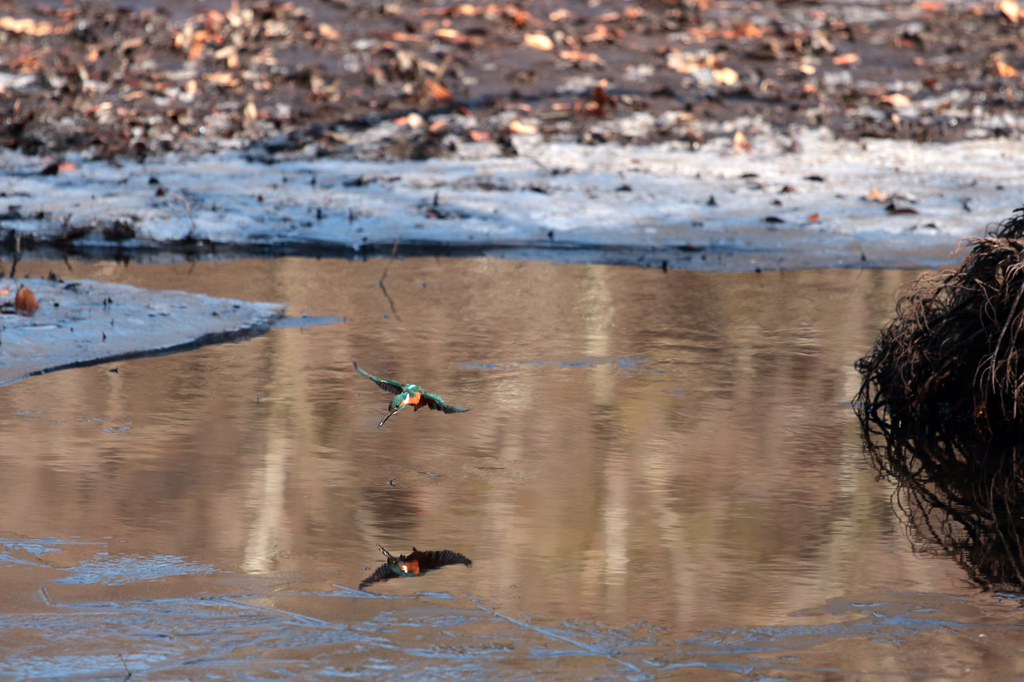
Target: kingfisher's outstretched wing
<point x="434" y="559"/>
<point x="383" y="572"/>
<point x="389" y="385"/>
<point x="435" y="402"/>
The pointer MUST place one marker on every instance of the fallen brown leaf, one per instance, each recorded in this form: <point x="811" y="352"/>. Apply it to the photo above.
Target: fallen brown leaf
<point x="1010" y="9"/>
<point x="131" y="44"/>
<point x="522" y="128"/>
<point x="578" y="56"/>
<point x="5" y="290"/>
<point x="435" y="90"/>
<point x="250" y="114"/>
<point x="453" y="36"/>
<point x="725" y="75"/>
<point x="26" y="26"/>
<point x="539" y="41"/>
<point x="25" y="300"/>
<point x="600" y="33"/>
<point x="682" y="62"/>
<point x="402" y="37"/>
<point x="225" y="78"/>
<point x="846" y="59"/>
<point x="739" y="141"/>
<point x="897" y="100"/>
<point x="329" y="32"/>
<point x="1004" y="69"/>
<point x="875" y="195"/>
<point x="813" y="218"/>
<point x="413" y="120"/>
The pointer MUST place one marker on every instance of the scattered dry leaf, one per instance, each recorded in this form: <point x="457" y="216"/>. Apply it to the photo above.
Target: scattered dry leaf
<point x="875" y="195"/>
<point x="725" y="76"/>
<point x="402" y="37"/>
<point x="436" y="91"/>
<point x="437" y="126"/>
<point x="808" y="69"/>
<point x="1004" y="69"/>
<point x="453" y="36"/>
<point x="599" y="34"/>
<point x="578" y="56"/>
<point x="813" y="218"/>
<point x="522" y="128"/>
<point x="747" y="30"/>
<point x="5" y="290"/>
<point x="25" y="300"/>
<point x="413" y="120"/>
<point x="1010" y="9"/>
<point x="250" y="113"/>
<point x="560" y="15"/>
<point x="329" y="32"/>
<point x="682" y="62"/>
<point x="739" y="141"/>
<point x="26" y="26"/>
<point x="479" y="135"/>
<point x="538" y="41"/>
<point x="932" y="6"/>
<point x="897" y="100"/>
<point x="225" y="78"/>
<point x="846" y="59"/>
<point x="131" y="44"/>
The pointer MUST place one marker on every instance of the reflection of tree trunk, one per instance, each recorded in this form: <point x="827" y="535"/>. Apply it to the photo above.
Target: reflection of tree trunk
<point x="616" y="519"/>
<point x="598" y="307"/>
<point x="288" y="426"/>
<point x="268" y="487"/>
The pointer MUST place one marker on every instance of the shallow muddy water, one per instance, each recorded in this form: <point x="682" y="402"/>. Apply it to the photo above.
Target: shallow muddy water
<point x="660" y="475"/>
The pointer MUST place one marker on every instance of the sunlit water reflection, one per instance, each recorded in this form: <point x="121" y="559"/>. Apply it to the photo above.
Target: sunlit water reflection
<point x="672" y="455"/>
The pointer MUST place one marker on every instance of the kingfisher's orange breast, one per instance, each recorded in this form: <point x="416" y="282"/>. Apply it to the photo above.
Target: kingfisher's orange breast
<point x="414" y="398"/>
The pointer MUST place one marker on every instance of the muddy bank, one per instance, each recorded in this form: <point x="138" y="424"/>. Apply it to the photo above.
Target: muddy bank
<point x="832" y="203"/>
<point x="85" y="322"/>
<point x="403" y="80"/>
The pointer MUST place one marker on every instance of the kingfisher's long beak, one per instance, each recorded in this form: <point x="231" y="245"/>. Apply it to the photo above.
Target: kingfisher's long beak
<point x="386" y="417"/>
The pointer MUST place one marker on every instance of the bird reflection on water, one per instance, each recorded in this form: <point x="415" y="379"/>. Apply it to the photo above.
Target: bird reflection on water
<point x="413" y="565"/>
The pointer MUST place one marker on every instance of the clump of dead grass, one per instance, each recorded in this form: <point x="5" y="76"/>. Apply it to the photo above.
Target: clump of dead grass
<point x="941" y="408"/>
<point x="955" y="351"/>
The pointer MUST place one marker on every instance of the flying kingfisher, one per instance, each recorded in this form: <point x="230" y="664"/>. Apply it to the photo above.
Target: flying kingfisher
<point x="409" y="394"/>
<point x="415" y="564"/>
